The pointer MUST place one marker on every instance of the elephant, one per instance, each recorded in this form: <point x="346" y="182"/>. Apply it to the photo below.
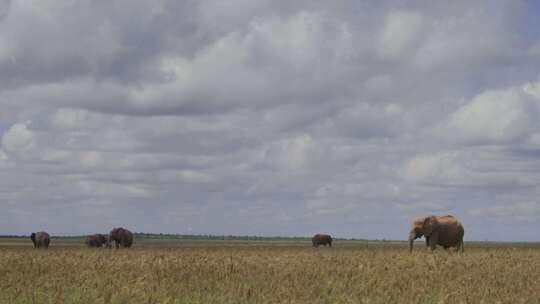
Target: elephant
<point x="445" y="231"/>
<point x="121" y="237"/>
<point x="321" y="239"/>
<point x="97" y="240"/>
<point x="40" y="239"/>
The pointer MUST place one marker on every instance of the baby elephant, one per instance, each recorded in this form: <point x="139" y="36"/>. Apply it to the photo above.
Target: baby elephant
<point x="321" y="239"/>
<point x="40" y="239"/>
<point x="97" y="240"/>
<point x="445" y="231"/>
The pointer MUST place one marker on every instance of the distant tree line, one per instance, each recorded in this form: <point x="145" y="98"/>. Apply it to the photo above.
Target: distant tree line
<point x="215" y="237"/>
<point x="142" y="235"/>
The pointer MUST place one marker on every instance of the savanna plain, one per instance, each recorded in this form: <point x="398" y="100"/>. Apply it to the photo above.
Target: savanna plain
<point x="198" y="271"/>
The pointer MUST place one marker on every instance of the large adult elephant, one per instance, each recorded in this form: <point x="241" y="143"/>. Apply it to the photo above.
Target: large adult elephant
<point x="321" y="239"/>
<point x="97" y="240"/>
<point x="121" y="237"/>
<point x="445" y="231"/>
<point x="40" y="239"/>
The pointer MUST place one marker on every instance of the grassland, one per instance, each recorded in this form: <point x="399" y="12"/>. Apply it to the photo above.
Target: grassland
<point x="166" y="271"/>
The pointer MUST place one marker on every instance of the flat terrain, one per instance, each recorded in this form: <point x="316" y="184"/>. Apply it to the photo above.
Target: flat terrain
<point x="194" y="271"/>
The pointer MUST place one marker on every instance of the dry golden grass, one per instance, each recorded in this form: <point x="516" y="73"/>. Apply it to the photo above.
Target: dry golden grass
<point x="269" y="274"/>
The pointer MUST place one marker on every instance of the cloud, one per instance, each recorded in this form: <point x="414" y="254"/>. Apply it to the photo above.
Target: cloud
<point x="291" y="153"/>
<point x="497" y="117"/>
<point x="265" y="117"/>
<point x="364" y="120"/>
<point x="430" y="168"/>
<point x="453" y="42"/>
<point x="399" y="32"/>
<point x="18" y="139"/>
<point x="513" y="211"/>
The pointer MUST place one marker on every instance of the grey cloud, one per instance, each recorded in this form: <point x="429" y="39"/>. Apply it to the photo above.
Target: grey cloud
<point x="496" y="117"/>
<point x="267" y="117"/>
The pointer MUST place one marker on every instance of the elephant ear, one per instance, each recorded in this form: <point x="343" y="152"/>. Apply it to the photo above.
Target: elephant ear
<point x="430" y="224"/>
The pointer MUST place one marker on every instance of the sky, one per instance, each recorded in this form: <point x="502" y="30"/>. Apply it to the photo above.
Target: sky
<point x="270" y="117"/>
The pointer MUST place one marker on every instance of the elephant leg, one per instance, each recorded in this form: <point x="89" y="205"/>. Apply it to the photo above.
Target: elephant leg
<point x="427" y="241"/>
<point x="459" y="246"/>
<point x="433" y="239"/>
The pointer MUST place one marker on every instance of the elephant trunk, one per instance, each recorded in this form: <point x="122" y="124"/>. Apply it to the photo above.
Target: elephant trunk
<point x="412" y="237"/>
<point x="33" y="238"/>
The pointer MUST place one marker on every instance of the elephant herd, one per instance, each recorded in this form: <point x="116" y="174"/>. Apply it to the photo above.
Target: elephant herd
<point x="445" y="231"/>
<point x="121" y="237"/>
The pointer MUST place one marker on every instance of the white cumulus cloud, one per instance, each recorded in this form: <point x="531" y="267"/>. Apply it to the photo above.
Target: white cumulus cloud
<point x="18" y="139"/>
